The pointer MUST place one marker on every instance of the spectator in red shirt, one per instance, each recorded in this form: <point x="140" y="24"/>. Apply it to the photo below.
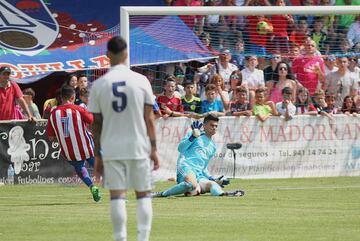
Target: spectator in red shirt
<point x="301" y="32"/>
<point x="169" y="104"/>
<point x="9" y="93"/>
<point x="280" y="37"/>
<point x="258" y="42"/>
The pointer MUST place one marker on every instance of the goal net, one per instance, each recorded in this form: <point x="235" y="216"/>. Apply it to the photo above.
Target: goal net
<point x="274" y="47"/>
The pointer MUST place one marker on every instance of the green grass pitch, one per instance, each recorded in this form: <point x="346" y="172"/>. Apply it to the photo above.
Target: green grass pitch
<point x="323" y="209"/>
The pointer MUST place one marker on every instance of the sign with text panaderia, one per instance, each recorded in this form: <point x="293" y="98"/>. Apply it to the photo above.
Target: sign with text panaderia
<point x="36" y="160"/>
<point x="306" y="146"/>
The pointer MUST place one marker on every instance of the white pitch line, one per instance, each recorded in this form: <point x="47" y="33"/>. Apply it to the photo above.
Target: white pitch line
<point x="305" y="188"/>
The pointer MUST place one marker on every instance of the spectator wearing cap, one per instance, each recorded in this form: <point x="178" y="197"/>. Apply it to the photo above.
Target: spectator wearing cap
<point x="29" y="95"/>
<point x="9" y="93"/>
<point x="330" y="64"/>
<point x="222" y="67"/>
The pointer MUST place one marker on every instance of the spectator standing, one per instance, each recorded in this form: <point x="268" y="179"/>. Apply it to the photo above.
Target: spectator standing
<point x="253" y="78"/>
<point x="124" y="155"/>
<point x="353" y="35"/>
<point x="309" y="68"/>
<point x="342" y="82"/>
<point x="270" y="71"/>
<point x="330" y="64"/>
<point x="283" y="79"/>
<point x="280" y="36"/>
<point x="319" y="36"/>
<point x="10" y="93"/>
<point x="29" y="95"/>
<point x="82" y="83"/>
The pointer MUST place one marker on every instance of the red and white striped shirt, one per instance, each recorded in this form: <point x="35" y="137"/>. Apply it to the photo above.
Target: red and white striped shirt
<point x="69" y="123"/>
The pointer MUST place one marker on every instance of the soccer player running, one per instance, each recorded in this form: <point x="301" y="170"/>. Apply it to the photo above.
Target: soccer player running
<point x="196" y="150"/>
<point x="124" y="130"/>
<point x="67" y="125"/>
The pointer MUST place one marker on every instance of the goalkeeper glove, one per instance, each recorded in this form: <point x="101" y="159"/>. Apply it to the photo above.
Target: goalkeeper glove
<point x="195" y="126"/>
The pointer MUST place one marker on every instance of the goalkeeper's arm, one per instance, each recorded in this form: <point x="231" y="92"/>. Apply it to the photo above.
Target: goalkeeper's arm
<point x="190" y="137"/>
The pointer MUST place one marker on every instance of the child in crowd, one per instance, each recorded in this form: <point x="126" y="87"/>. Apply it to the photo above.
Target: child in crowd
<point x="212" y="104"/>
<point x="191" y="103"/>
<point x="303" y="103"/>
<point x="349" y="106"/>
<point x="320" y="104"/>
<point x="262" y="109"/>
<point x="29" y="95"/>
<point x="84" y="97"/>
<point x="51" y="104"/>
<point x="330" y="104"/>
<point x="169" y="104"/>
<point x="286" y="108"/>
<point x="240" y="107"/>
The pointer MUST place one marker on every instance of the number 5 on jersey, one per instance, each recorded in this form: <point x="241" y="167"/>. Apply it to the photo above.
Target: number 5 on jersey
<point x="120" y="103"/>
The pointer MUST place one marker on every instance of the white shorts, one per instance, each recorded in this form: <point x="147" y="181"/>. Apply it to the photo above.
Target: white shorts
<point x="128" y="174"/>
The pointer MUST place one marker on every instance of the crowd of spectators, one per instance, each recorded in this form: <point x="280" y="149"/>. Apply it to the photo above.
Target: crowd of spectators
<point x="265" y="65"/>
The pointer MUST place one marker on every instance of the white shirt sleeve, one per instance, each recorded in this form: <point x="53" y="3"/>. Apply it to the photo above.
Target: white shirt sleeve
<point x="94" y="104"/>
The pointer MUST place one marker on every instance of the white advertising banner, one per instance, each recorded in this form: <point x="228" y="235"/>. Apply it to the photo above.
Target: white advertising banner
<point x="306" y="146"/>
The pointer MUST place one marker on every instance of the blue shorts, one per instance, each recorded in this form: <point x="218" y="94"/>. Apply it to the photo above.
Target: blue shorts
<point x="183" y="171"/>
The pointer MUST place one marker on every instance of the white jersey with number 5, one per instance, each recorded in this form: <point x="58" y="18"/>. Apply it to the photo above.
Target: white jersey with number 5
<point x="119" y="96"/>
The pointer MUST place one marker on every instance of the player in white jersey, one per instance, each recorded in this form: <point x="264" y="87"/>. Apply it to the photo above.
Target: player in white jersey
<point x="124" y="133"/>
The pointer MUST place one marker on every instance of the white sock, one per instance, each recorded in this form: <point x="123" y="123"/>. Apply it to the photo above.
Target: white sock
<point x="119" y="218"/>
<point x="144" y="218"/>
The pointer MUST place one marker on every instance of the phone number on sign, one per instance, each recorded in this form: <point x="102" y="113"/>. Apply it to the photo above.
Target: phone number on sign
<point x="308" y="152"/>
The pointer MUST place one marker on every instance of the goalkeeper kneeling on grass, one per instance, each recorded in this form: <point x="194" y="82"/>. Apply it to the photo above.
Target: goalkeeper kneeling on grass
<point x="196" y="150"/>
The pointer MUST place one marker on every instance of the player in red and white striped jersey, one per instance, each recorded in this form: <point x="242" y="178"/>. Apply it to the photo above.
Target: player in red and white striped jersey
<point x="67" y="124"/>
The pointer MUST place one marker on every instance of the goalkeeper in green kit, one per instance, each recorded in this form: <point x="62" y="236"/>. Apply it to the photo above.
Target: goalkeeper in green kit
<point x="196" y="150"/>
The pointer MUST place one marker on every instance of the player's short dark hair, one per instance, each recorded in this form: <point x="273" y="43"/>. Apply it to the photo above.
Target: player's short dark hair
<point x="211" y="117"/>
<point x="67" y="92"/>
<point x="260" y="90"/>
<point x="116" y="45"/>
<point x="82" y="75"/>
